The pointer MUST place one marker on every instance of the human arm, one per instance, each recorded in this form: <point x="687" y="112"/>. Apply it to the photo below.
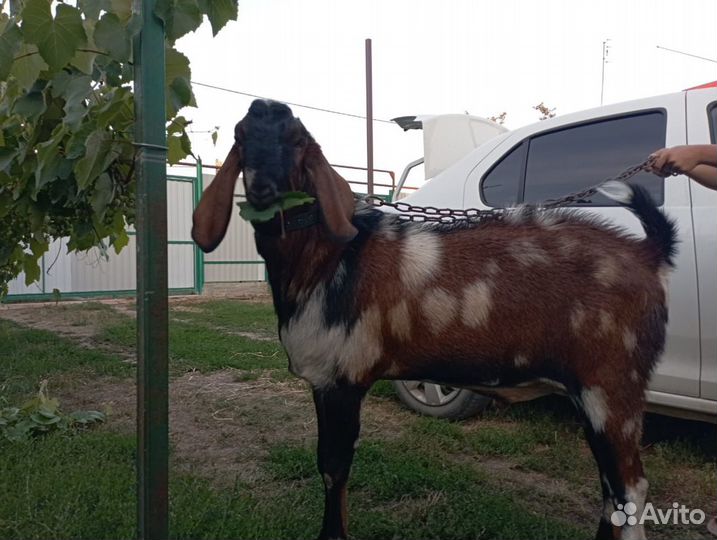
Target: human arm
<point x="698" y="161"/>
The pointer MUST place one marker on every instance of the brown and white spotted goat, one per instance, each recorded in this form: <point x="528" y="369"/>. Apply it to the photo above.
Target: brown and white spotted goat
<point x="501" y="305"/>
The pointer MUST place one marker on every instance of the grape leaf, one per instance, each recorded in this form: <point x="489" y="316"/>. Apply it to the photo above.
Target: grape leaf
<point x="58" y="38"/>
<point x="288" y="200"/>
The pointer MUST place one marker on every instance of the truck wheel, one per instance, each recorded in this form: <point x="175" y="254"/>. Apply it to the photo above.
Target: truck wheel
<point x="440" y="401"/>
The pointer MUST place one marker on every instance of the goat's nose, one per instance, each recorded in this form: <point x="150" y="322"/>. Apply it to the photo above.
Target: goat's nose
<point x="262" y="195"/>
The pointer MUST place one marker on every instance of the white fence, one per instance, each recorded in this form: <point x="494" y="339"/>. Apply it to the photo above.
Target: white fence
<point x="90" y="274"/>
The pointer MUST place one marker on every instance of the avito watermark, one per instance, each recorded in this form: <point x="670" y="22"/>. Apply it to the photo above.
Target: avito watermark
<point x="679" y="514"/>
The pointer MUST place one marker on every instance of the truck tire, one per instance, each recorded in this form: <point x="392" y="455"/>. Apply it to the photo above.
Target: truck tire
<point x="440" y="401"/>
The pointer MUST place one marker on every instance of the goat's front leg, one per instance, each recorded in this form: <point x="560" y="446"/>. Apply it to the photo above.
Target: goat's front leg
<point x="338" y="411"/>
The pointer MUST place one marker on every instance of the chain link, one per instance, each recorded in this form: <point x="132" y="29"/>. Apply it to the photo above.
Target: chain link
<point x="423" y="214"/>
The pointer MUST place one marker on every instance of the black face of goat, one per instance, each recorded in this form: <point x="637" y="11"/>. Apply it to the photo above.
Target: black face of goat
<point x="272" y="141"/>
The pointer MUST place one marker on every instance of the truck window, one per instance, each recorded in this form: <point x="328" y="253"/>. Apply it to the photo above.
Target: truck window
<point x="502" y="185"/>
<point x="712" y="113"/>
<point x="571" y="159"/>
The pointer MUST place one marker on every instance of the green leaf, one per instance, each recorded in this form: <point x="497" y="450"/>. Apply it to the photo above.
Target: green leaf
<point x="83" y="60"/>
<point x="180" y="17"/>
<point x="49" y="159"/>
<point x="122" y="8"/>
<point x="10" y="41"/>
<point x="87" y="417"/>
<point x="215" y="135"/>
<point x="174" y="150"/>
<point x="111" y="36"/>
<point x="74" y="94"/>
<point x="102" y="195"/>
<point x="100" y="154"/>
<point x="32" y="269"/>
<point x="75" y="146"/>
<point x="176" y="79"/>
<point x="219" y="12"/>
<point x="28" y="66"/>
<point x="30" y="105"/>
<point x="120" y="241"/>
<point x="7" y="155"/>
<point x="177" y="125"/>
<point x="179" y="147"/>
<point x="58" y="38"/>
<point x="288" y="200"/>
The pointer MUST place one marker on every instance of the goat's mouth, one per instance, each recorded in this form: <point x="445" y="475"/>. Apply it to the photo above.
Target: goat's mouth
<point x="262" y="201"/>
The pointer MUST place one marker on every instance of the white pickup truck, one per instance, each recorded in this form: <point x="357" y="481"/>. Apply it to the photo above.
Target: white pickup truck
<point x="492" y="167"/>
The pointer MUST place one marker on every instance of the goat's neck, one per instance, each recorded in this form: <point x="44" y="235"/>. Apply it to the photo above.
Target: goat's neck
<point x="296" y="264"/>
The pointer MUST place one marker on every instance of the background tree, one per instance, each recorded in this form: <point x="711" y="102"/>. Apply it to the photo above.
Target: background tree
<point x="67" y="120"/>
<point x="545" y="111"/>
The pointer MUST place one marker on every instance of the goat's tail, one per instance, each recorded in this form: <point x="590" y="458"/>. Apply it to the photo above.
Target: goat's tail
<point x="661" y="231"/>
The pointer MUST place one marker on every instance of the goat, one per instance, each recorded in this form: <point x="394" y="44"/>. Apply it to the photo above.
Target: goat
<point x="495" y="305"/>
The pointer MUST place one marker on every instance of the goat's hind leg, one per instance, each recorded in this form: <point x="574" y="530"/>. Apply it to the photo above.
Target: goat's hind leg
<point x="613" y="434"/>
<point x="338" y="412"/>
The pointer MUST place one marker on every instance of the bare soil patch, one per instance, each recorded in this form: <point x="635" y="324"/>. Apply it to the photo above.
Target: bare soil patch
<point x="222" y="427"/>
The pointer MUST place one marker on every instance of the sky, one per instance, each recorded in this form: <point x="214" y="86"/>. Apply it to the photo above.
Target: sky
<point x="435" y="57"/>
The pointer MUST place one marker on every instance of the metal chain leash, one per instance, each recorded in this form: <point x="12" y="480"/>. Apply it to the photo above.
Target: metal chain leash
<point x="422" y="214"/>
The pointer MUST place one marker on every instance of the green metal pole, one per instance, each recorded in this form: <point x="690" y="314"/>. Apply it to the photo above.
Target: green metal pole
<point x="152" y="326"/>
<point x="198" y="253"/>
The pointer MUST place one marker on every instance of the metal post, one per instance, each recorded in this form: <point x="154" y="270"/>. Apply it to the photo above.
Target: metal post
<point x="369" y="117"/>
<point x="198" y="253"/>
<point x="152" y="327"/>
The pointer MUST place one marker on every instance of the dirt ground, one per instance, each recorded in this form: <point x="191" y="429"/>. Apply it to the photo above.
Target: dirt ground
<point x="221" y="426"/>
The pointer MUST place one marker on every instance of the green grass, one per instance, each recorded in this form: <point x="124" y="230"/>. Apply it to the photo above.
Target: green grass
<point x="428" y="482"/>
<point x="203" y="341"/>
<point x="398" y="490"/>
<point x="68" y="487"/>
<point x="232" y="315"/>
<point x="28" y="356"/>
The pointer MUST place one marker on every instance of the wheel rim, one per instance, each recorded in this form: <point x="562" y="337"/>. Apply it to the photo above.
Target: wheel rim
<point x="433" y="395"/>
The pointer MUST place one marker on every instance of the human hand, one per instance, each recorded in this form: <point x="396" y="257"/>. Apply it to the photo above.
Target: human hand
<point x="674" y="161"/>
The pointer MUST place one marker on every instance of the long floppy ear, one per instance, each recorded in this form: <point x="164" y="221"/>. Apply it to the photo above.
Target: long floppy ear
<point x="334" y="194"/>
<point x="211" y="218"/>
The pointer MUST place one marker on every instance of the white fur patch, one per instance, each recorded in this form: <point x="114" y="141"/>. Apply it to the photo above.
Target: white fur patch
<point x="439" y="309"/>
<point x="595" y="407"/>
<point x="606" y="322"/>
<point x="607" y="272"/>
<point x="616" y="190"/>
<point x="636" y="494"/>
<point x="249" y="175"/>
<point x="577" y="317"/>
<point x="318" y="354"/>
<point x="490" y="268"/>
<point x="631" y="427"/>
<point x="420" y="258"/>
<point x="400" y="320"/>
<point x="547" y="219"/>
<point x="629" y="339"/>
<point x="520" y="360"/>
<point x="528" y="253"/>
<point x="310" y="345"/>
<point x="362" y="346"/>
<point x="477" y="303"/>
<point x="664" y="276"/>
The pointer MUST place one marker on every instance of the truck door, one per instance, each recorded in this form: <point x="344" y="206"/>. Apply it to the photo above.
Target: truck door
<point x="702" y="129"/>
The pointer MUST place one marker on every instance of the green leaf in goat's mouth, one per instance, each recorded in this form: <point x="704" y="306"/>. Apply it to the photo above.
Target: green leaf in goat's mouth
<point x="288" y="200"/>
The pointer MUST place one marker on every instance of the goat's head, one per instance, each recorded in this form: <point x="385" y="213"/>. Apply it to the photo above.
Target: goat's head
<point x="276" y="154"/>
